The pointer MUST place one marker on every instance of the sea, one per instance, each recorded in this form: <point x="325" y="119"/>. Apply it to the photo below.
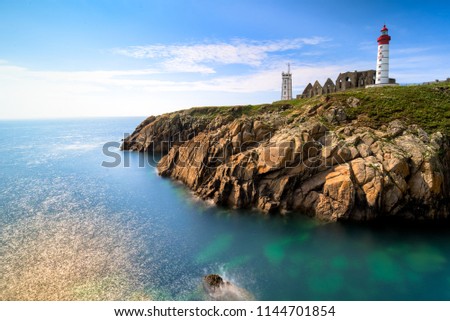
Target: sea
<point x="82" y="220"/>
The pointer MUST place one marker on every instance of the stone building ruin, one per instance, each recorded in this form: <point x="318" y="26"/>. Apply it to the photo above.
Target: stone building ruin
<point x="346" y="80"/>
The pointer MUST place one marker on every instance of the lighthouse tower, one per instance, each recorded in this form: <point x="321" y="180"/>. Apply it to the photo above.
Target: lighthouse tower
<point x="286" y="85"/>
<point x="382" y="75"/>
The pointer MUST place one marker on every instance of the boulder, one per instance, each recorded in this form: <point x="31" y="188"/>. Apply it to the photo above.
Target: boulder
<point x="218" y="289"/>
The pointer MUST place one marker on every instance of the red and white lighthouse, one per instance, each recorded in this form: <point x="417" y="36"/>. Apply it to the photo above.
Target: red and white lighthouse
<point x="382" y="75"/>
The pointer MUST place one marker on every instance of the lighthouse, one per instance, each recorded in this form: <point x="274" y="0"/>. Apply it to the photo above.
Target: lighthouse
<point x="382" y="73"/>
<point x="286" y="84"/>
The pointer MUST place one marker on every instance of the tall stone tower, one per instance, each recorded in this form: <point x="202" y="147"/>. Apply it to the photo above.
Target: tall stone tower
<point x="382" y="74"/>
<point x="286" y="85"/>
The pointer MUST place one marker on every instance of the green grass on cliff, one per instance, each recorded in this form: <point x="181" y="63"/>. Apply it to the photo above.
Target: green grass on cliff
<point x="426" y="105"/>
<point x="249" y="110"/>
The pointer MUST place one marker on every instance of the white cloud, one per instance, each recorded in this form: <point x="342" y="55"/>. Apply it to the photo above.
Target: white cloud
<point x="200" y="57"/>
<point x="26" y="92"/>
<point x="30" y="93"/>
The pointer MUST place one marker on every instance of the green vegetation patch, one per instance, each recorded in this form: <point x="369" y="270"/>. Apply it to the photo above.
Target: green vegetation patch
<point x="427" y="105"/>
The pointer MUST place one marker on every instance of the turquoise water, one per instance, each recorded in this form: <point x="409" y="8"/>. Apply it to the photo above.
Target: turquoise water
<point x="72" y="229"/>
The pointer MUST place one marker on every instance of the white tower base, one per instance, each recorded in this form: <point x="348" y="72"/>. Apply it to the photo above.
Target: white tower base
<point x="382" y="74"/>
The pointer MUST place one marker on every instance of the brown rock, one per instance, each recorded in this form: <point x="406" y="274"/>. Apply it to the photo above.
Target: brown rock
<point x="338" y="195"/>
<point x="352" y="172"/>
<point x="364" y="150"/>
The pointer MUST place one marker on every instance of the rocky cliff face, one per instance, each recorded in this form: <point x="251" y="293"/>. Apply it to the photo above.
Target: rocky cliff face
<point x="313" y="160"/>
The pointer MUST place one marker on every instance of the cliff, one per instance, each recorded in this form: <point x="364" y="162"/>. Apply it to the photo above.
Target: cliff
<point x="354" y="155"/>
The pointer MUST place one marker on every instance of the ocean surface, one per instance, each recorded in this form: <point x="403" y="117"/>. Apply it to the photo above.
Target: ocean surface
<point x="74" y="229"/>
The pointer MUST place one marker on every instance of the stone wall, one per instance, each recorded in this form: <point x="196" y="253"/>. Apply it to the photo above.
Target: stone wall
<point x="346" y="80"/>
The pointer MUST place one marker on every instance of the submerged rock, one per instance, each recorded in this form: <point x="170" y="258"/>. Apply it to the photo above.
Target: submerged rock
<point x="217" y="289"/>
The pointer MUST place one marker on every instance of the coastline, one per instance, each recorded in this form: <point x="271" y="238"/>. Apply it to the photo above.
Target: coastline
<point x="329" y="157"/>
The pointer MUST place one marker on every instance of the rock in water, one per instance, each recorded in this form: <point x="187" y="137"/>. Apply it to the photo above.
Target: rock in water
<point x="213" y="280"/>
<point x="217" y="289"/>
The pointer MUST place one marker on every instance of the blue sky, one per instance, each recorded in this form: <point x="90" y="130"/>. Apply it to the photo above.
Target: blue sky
<point x="136" y="58"/>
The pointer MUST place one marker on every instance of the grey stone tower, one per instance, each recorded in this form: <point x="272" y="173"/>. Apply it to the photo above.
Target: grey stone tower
<point x="286" y="85"/>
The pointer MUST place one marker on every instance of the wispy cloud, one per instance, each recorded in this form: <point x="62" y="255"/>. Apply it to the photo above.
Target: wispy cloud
<point x="265" y="79"/>
<point x="28" y="93"/>
<point x="147" y="90"/>
<point x="202" y="57"/>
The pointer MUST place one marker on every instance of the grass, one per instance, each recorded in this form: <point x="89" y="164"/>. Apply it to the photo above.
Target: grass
<point x="426" y="105"/>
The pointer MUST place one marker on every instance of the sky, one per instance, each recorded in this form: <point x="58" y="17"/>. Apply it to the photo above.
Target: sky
<point x="138" y="58"/>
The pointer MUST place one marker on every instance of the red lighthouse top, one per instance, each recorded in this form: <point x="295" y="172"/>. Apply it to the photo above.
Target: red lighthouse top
<point x="384" y="38"/>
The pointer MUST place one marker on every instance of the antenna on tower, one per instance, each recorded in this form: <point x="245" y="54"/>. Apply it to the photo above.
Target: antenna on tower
<point x="289" y="67"/>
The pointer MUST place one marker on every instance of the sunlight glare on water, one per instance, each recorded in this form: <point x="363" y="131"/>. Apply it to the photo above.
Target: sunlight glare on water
<point x="74" y="230"/>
